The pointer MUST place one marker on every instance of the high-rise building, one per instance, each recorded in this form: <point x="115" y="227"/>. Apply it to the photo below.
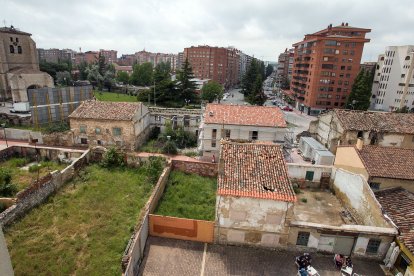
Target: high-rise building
<point x="216" y="63"/>
<point x="368" y="66"/>
<point x="127" y="60"/>
<point x="54" y="55"/>
<point x="180" y="60"/>
<point x="156" y="58"/>
<point x="393" y="86"/>
<point x="244" y="63"/>
<point x="325" y="66"/>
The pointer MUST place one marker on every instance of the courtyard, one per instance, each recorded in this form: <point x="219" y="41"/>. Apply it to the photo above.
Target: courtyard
<point x="84" y="228"/>
<point x="177" y="257"/>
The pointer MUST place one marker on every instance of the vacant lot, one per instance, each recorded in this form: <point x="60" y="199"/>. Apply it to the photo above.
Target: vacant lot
<point x="84" y="228"/>
<point x="114" y="97"/>
<point x="189" y="196"/>
<point x="23" y="177"/>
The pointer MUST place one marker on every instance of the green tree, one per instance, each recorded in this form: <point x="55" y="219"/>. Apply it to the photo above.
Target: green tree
<point x="94" y="76"/>
<point x="269" y="70"/>
<point x="53" y="68"/>
<point x="186" y="86"/>
<point x="83" y="75"/>
<point x="142" y="74"/>
<point x="359" y="98"/>
<point x="212" y="91"/>
<point x="63" y="78"/>
<point x="252" y="83"/>
<point x="122" y="76"/>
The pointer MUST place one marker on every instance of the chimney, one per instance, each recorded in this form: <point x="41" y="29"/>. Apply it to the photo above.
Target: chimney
<point x="359" y="144"/>
<point x="342" y="24"/>
<point x="346" y="24"/>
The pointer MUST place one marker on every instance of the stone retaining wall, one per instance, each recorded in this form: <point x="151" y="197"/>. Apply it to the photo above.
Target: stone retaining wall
<point x="200" y="168"/>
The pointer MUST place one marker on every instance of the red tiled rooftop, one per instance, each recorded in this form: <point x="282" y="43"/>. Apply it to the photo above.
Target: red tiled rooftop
<point x="398" y="204"/>
<point x="388" y="162"/>
<point x="244" y="115"/>
<point x="254" y="170"/>
<point x="118" y="111"/>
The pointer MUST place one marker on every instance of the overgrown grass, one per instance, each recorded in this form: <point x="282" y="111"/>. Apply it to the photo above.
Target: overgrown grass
<point x="151" y="146"/>
<point x="114" y="97"/>
<point x="23" y="178"/>
<point x="189" y="196"/>
<point x="84" y="228"/>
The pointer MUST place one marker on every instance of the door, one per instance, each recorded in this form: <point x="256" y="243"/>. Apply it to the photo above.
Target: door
<point x="326" y="243"/>
<point x="344" y="245"/>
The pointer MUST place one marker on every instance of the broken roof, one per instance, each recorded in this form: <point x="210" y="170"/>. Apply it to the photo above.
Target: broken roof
<point x="398" y="205"/>
<point x="118" y="111"/>
<point x="388" y="162"/>
<point x="255" y="170"/>
<point x="265" y="116"/>
<point x="376" y="121"/>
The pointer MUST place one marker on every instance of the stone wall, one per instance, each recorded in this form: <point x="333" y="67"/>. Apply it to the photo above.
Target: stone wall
<point x="22" y="134"/>
<point x="40" y="190"/>
<point x="63" y="139"/>
<point x="201" y="168"/>
<point x="14" y="119"/>
<point x="6" y="153"/>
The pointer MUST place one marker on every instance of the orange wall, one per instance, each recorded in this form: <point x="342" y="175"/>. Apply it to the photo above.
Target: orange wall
<point x="181" y="228"/>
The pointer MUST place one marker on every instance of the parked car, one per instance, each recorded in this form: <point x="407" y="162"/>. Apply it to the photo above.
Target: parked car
<point x="286" y="108"/>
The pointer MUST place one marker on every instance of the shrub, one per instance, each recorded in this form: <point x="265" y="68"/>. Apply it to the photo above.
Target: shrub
<point x="296" y="190"/>
<point x="153" y="168"/>
<point x="304" y="200"/>
<point x="112" y="158"/>
<point x="57" y="127"/>
<point x="7" y="189"/>
<point x="2" y="207"/>
<point x="169" y="148"/>
<point x="191" y="154"/>
<point x="18" y="162"/>
<point x="35" y="167"/>
<point x="5" y="176"/>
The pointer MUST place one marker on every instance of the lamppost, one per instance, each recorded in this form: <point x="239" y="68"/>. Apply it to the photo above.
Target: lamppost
<point x="5" y="136"/>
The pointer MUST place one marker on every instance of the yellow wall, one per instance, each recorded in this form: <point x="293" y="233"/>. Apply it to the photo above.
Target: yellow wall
<point x="347" y="158"/>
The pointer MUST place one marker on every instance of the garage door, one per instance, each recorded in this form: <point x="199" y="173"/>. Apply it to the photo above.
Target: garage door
<point x="343" y="245"/>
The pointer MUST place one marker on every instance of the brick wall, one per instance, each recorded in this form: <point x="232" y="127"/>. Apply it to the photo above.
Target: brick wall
<point x="201" y="168"/>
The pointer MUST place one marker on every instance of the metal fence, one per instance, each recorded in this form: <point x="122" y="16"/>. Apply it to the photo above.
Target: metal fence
<point x="50" y="105"/>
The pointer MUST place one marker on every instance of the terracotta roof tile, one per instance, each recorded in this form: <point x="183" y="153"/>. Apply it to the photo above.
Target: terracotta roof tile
<point x="388" y="162"/>
<point x="254" y="170"/>
<point x="377" y="121"/>
<point x="398" y="204"/>
<point x="118" y="111"/>
<point x="244" y="115"/>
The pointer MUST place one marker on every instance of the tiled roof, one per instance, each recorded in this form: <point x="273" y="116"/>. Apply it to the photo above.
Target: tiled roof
<point x="244" y="115"/>
<point x="378" y="121"/>
<point x="255" y="170"/>
<point x="118" y="111"/>
<point x="398" y="204"/>
<point x="388" y="162"/>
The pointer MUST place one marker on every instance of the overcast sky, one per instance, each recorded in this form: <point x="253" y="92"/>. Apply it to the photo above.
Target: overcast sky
<point x="262" y="28"/>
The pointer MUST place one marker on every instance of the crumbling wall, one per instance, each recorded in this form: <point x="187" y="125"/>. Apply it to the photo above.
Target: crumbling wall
<point x="201" y="168"/>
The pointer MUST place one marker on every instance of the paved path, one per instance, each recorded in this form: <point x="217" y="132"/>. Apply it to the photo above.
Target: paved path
<point x="175" y="257"/>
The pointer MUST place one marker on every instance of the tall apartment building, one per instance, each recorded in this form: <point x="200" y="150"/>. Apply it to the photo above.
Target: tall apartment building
<point x="156" y="58"/>
<point x="325" y="66"/>
<point x="110" y="55"/>
<point x="215" y="63"/>
<point x="54" y="55"/>
<point x="127" y="60"/>
<point x="180" y="60"/>
<point x="244" y="63"/>
<point x="368" y="66"/>
<point x="393" y="86"/>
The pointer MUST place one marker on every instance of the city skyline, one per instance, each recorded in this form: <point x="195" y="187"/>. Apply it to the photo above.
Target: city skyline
<point x="260" y="28"/>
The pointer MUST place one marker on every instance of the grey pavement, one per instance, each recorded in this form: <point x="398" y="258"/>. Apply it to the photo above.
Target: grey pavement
<point x="176" y="257"/>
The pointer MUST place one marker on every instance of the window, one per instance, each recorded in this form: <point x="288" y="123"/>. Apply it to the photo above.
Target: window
<point x="213" y="138"/>
<point x="342" y="67"/>
<point x="309" y="175"/>
<point x="17" y="39"/>
<point x="19" y="49"/>
<point x="360" y="134"/>
<point x="116" y="131"/>
<point x="330" y="42"/>
<point x="373" y="245"/>
<point x="375" y="185"/>
<point x="11" y="49"/>
<point x="344" y="52"/>
<point x="303" y="238"/>
<point x="82" y="129"/>
<point x="402" y="75"/>
<point x="253" y="135"/>
<point x="97" y="130"/>
<point x="227" y="133"/>
<point x="158" y="118"/>
<point x="84" y="141"/>
<point x="11" y="39"/>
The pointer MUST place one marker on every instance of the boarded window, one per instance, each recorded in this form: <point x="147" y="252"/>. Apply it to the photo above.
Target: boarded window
<point x="82" y="129"/>
<point x="97" y="130"/>
<point x="373" y="246"/>
<point x="116" y="131"/>
<point x="309" y="175"/>
<point x="303" y="238"/>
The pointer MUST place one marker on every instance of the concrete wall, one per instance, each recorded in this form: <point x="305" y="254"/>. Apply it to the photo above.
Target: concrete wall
<point x="252" y="221"/>
<point x="40" y="190"/>
<point x="22" y="134"/>
<point x="160" y="116"/>
<point x="201" y="168"/>
<point x="134" y="252"/>
<point x="298" y="171"/>
<point x="356" y="195"/>
<point x="181" y="228"/>
<point x="6" y="268"/>
<point x="347" y="158"/>
<point x="391" y="182"/>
